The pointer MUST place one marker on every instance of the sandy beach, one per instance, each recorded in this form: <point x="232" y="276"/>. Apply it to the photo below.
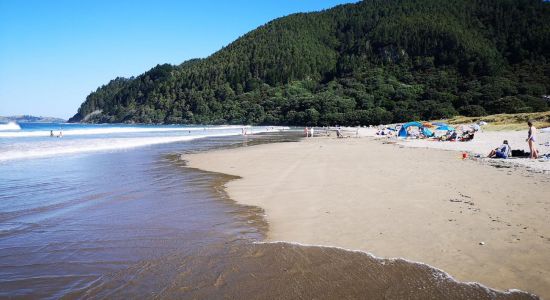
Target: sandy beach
<point x="476" y="222"/>
<point x="484" y="142"/>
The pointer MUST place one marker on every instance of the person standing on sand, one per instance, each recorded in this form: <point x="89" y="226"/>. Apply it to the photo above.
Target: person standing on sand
<point x="531" y="139"/>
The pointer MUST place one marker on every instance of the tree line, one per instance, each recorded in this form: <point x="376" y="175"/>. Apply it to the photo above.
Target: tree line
<point x="373" y="62"/>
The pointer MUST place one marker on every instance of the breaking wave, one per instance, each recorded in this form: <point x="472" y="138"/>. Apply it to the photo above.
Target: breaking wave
<point x="109" y="130"/>
<point x="9" y="126"/>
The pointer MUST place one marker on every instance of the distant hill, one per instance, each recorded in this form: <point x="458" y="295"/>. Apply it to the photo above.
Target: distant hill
<point x="377" y="61"/>
<point x="29" y="119"/>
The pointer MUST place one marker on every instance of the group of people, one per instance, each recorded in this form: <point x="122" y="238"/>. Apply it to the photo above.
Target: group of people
<point x="53" y="135"/>
<point x="467" y="134"/>
<point x="309" y="131"/>
<point x="385" y="131"/>
<point x="327" y="131"/>
<point x="504" y="150"/>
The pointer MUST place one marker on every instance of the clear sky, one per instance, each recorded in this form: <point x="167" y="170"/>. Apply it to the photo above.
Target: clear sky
<point x="53" y="53"/>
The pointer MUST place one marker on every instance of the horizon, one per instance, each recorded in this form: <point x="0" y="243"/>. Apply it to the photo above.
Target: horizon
<point x="55" y="54"/>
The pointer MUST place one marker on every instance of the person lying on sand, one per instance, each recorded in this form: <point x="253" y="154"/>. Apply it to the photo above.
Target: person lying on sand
<point x="450" y="135"/>
<point x="467" y="136"/>
<point x="503" y="151"/>
<point x="453" y="136"/>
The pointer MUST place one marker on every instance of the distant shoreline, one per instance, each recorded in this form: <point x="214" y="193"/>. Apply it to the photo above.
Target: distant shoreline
<point x="31" y="119"/>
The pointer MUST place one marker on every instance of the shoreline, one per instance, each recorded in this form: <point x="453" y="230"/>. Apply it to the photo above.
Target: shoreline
<point x="370" y="255"/>
<point x="252" y="192"/>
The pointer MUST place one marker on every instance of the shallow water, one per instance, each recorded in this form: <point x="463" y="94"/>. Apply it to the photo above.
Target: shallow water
<point x="65" y="221"/>
<point x="243" y="270"/>
<point x="136" y="223"/>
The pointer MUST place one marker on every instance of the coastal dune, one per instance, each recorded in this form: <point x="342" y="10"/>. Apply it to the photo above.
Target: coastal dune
<point x="476" y="222"/>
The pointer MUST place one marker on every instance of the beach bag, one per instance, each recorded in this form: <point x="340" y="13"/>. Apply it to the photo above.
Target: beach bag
<point x="520" y="153"/>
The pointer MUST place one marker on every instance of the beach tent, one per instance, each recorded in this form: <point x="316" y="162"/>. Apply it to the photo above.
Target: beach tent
<point x="403" y="131"/>
<point x="445" y="127"/>
<point x="426" y="132"/>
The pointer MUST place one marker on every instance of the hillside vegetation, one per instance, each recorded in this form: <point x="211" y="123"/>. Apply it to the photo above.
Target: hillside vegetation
<point x="506" y="121"/>
<point x="377" y="61"/>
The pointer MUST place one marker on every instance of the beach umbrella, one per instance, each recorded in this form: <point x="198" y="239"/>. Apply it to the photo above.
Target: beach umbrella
<point x="439" y="124"/>
<point x="427" y="124"/>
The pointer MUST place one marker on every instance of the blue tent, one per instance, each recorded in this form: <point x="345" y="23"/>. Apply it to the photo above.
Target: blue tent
<point x="427" y="132"/>
<point x="403" y="131"/>
<point x="445" y="127"/>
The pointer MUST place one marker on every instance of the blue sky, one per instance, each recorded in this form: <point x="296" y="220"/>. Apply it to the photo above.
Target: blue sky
<point x="54" y="53"/>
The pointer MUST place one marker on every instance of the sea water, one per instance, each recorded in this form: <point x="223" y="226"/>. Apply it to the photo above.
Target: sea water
<point x="34" y="140"/>
<point x="94" y="199"/>
<point x="111" y="211"/>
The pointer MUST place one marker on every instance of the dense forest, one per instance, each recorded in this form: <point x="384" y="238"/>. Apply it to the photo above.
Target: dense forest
<point x="373" y="62"/>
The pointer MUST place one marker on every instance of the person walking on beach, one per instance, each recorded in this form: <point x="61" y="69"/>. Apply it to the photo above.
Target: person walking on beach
<point x="531" y="139"/>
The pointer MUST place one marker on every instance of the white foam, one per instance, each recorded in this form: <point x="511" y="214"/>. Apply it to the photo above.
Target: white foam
<point x="112" y="130"/>
<point x="443" y="275"/>
<point x="9" y="126"/>
<point x="67" y="147"/>
<point x="62" y="146"/>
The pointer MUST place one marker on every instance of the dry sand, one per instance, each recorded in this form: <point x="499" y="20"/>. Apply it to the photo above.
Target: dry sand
<point x="482" y="144"/>
<point x="424" y="205"/>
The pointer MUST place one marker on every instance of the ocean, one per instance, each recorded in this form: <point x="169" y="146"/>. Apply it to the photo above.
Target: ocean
<point x="112" y="212"/>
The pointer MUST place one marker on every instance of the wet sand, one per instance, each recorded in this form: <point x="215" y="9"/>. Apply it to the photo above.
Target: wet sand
<point x="283" y="271"/>
<point x="420" y="204"/>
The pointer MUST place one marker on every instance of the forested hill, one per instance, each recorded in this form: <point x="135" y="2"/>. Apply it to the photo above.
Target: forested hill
<point x="372" y="62"/>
